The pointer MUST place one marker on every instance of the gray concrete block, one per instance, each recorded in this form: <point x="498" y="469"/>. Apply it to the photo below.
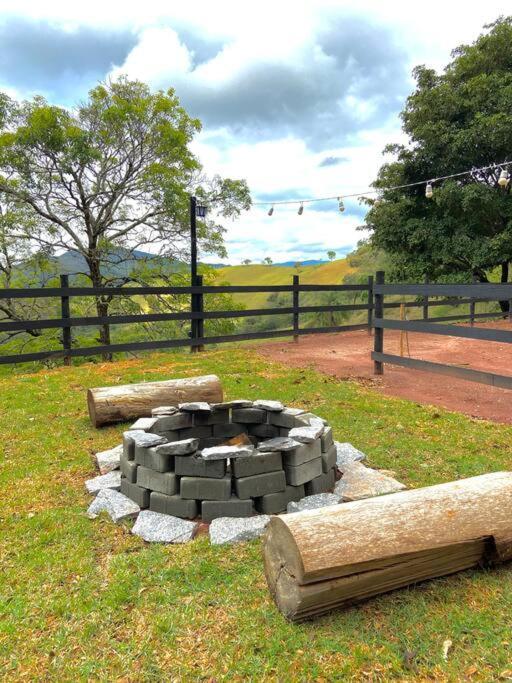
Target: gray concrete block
<point x="181" y="447"/>
<point x="129" y="445"/>
<point x="234" y="507"/>
<point x="304" y="453"/>
<point x="135" y="493"/>
<point x="200" y="432"/>
<point x="271" y="406"/>
<point x="300" y="474"/>
<point x="272" y="503"/>
<point x="283" y="431"/>
<point x="286" y="418"/>
<point x="149" y="457"/>
<point x="144" y="423"/>
<point x="163" y="482"/>
<point x="249" y="415"/>
<point x="173" y="505"/>
<point x="229" y="430"/>
<point x="260" y="484"/>
<point x="195" y="406"/>
<point x="263" y="431"/>
<point x="194" y="466"/>
<point x="322" y="483"/>
<point x="204" y="488"/>
<point x="258" y="463"/>
<point x="326" y="439"/>
<point x="215" y="417"/>
<point x="128" y="469"/>
<point x="211" y="442"/>
<point x="173" y="422"/>
<point x="329" y="459"/>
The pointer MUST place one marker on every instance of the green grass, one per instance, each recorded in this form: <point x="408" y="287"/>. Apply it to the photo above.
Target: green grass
<point x="82" y="599"/>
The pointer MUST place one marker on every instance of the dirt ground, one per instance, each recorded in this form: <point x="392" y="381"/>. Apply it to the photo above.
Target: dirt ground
<point x="347" y="355"/>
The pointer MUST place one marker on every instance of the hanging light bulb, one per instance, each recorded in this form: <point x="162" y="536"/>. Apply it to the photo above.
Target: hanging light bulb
<point x="428" y="191"/>
<point x="504" y="178"/>
<point x="301" y="210"/>
<point x="341" y="205"/>
<point x="271" y="211"/>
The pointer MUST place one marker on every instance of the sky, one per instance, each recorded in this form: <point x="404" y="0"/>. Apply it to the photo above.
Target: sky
<point x="298" y="98"/>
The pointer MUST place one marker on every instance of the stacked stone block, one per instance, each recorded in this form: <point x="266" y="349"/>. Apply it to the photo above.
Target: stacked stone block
<point x="226" y="460"/>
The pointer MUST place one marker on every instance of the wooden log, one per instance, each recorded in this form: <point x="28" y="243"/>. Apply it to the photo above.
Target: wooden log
<point x="128" y="402"/>
<point x="317" y="560"/>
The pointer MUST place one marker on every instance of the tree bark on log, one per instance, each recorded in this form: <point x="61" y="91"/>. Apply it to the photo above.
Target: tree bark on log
<point x="128" y="402"/>
<point x="317" y="560"/>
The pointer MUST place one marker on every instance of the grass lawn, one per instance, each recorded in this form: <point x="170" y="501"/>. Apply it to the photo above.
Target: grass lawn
<point x="82" y="599"/>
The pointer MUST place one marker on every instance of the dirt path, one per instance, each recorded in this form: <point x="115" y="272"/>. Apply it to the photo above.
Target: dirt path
<point x="347" y="355"/>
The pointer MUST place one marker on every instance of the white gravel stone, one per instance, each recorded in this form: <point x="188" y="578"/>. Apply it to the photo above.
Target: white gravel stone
<point x="271" y="406"/>
<point x="183" y="447"/>
<point x="307" y="434"/>
<point x="109" y="460"/>
<point x="346" y="453"/>
<point x="239" y="403"/>
<point x="115" y="504"/>
<point x="236" y="529"/>
<point x="144" y="423"/>
<point x="163" y="410"/>
<point x="279" y="443"/>
<point x="156" y="527"/>
<point x="224" y="452"/>
<point x="111" y="480"/>
<point x="196" y="406"/>
<point x="360" y="482"/>
<point x="319" y="500"/>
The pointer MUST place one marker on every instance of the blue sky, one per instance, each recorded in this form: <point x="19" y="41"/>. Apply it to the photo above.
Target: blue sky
<point x="298" y="98"/>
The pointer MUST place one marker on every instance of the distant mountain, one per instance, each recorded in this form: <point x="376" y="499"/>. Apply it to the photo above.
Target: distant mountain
<point x="120" y="263"/>
<point x="311" y="262"/>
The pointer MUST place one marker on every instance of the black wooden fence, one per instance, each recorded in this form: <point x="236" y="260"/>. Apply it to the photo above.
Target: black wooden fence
<point x="196" y="316"/>
<point x="450" y="293"/>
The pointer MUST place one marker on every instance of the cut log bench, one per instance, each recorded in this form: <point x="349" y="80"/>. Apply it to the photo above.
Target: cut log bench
<point x="127" y="402"/>
<point x="318" y="560"/>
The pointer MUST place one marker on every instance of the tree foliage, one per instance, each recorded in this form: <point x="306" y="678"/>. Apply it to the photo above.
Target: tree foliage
<point x="111" y="177"/>
<point x="458" y="120"/>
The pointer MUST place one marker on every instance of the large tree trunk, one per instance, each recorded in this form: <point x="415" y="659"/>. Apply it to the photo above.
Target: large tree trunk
<point x="321" y="559"/>
<point x="128" y="402"/>
<point x="102" y="305"/>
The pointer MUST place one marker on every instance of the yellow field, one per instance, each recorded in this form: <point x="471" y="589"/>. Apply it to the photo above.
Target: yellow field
<point x="323" y="274"/>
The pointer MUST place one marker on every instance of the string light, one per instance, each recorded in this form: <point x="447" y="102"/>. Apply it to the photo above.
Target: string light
<point x="504" y="178"/>
<point x="503" y="181"/>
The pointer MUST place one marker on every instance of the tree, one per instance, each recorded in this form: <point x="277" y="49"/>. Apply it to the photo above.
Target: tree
<point x="110" y="177"/>
<point x="331" y="255"/>
<point x="267" y="261"/>
<point x="457" y="120"/>
<point x="247" y="262"/>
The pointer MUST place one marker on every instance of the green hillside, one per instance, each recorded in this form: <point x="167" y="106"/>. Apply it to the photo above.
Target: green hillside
<point x="333" y="272"/>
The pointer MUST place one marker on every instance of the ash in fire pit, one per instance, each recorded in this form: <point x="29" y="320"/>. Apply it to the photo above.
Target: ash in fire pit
<point x="226" y="459"/>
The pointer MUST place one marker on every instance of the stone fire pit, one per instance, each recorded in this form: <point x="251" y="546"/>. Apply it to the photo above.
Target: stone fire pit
<point x="229" y="464"/>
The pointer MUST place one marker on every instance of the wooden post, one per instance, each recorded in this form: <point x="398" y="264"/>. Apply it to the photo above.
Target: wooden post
<point x="425" y="302"/>
<point x="295" y="304"/>
<point x="378" y="337"/>
<point x="472" y="307"/>
<point x="370" y="303"/>
<point x="65" y="313"/>
<point x="200" y="309"/>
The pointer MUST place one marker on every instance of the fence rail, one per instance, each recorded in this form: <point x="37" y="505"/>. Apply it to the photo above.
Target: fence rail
<point x="470" y="293"/>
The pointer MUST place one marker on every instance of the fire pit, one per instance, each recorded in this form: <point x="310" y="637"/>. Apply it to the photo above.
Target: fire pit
<point x="226" y="459"/>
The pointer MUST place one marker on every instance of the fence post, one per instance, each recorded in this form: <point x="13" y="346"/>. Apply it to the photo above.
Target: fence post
<point x="193" y="321"/>
<point x="200" y="309"/>
<point x="472" y="307"/>
<point x="378" y="337"/>
<point x="370" y="303"/>
<point x="425" y="301"/>
<point x="65" y="313"/>
<point x="295" y="304"/>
